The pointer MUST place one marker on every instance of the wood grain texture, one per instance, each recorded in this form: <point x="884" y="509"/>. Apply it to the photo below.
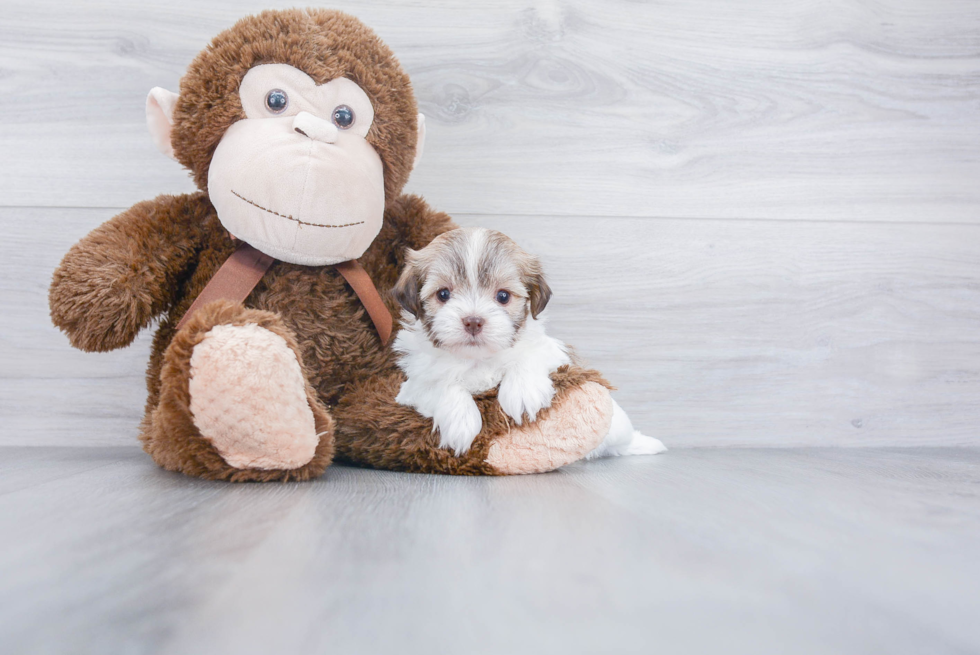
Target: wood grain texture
<point x="724" y="332"/>
<point x="845" y="110"/>
<point x="587" y="131"/>
<point x="696" y="551"/>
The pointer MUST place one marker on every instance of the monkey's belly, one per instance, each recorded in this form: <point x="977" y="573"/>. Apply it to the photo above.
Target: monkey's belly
<point x="335" y="335"/>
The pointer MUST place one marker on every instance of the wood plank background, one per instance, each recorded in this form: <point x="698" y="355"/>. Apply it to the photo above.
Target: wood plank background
<point x="761" y="220"/>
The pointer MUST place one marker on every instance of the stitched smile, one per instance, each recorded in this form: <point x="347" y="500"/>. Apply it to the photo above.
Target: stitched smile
<point x="290" y="217"/>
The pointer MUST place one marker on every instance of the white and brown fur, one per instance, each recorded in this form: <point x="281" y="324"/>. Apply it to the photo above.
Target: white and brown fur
<point x="471" y="342"/>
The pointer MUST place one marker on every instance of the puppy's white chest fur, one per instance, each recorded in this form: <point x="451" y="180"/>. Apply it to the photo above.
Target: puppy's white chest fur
<point x="441" y="384"/>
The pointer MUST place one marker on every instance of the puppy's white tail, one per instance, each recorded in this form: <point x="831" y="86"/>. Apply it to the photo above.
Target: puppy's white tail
<point x="644" y="445"/>
<point x="622" y="439"/>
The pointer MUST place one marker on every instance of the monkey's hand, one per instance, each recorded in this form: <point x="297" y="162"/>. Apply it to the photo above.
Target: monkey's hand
<point x="113" y="282"/>
<point x="525" y="390"/>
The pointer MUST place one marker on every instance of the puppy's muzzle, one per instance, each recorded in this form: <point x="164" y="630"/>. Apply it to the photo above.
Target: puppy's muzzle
<point x="473" y="324"/>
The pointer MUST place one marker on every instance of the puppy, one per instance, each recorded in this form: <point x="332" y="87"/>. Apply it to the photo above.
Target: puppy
<point x="473" y="301"/>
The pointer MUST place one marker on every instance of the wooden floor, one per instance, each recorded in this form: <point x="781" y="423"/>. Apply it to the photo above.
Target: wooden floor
<point x="695" y="551"/>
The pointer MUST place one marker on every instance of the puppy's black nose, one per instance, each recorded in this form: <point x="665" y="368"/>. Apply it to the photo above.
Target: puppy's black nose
<point x="473" y="324"/>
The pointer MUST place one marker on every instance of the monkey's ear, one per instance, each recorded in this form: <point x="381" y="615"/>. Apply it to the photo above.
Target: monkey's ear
<point x="406" y="290"/>
<point x="420" y="142"/>
<point x="160" y="118"/>
<point x="539" y="293"/>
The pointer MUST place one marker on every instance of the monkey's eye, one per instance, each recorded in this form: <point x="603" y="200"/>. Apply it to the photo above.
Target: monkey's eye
<point x="343" y="117"/>
<point x="503" y="297"/>
<point x="276" y="101"/>
<point x="443" y="295"/>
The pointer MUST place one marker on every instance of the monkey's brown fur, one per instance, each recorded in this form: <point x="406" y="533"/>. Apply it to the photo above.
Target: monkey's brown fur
<point x="156" y="257"/>
<point x="408" y="443"/>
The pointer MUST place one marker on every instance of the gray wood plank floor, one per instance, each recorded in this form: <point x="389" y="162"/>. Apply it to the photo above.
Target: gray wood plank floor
<point x="696" y="551"/>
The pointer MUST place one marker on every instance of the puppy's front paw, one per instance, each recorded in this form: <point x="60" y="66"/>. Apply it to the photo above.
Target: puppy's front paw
<point x="458" y="423"/>
<point x="523" y="392"/>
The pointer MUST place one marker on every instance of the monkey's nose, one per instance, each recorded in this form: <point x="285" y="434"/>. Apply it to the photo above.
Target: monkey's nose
<point x="473" y="324"/>
<point x="314" y="127"/>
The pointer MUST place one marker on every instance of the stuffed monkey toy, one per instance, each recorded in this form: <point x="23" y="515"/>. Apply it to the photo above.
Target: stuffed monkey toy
<point x="300" y="129"/>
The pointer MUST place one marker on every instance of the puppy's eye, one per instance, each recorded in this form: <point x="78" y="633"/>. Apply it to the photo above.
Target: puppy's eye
<point x="343" y="117"/>
<point x="443" y="295"/>
<point x="276" y="101"/>
<point x="503" y="297"/>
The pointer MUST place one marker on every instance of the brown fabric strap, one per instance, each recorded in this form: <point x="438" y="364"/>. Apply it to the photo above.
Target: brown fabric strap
<point x="242" y="271"/>
<point x="234" y="280"/>
<point x="361" y="283"/>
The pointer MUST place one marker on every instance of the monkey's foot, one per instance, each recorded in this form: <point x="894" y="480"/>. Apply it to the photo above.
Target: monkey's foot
<point x="248" y="398"/>
<point x="568" y="433"/>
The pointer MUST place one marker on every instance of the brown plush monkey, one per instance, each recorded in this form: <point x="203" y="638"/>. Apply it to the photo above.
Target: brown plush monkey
<point x="300" y="129"/>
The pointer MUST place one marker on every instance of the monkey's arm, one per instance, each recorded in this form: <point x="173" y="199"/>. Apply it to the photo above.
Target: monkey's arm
<point x="415" y="222"/>
<point x="113" y="282"/>
<point x="373" y="430"/>
<point x="409" y="223"/>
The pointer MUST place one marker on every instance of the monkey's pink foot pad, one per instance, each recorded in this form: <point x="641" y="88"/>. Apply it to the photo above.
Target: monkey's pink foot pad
<point x="568" y="433"/>
<point x="248" y="398"/>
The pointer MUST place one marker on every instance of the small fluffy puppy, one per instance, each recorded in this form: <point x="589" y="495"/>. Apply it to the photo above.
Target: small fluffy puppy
<point x="473" y="301"/>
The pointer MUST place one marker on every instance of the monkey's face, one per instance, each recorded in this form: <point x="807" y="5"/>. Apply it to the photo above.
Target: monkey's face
<point x="296" y="179"/>
<point x="299" y="124"/>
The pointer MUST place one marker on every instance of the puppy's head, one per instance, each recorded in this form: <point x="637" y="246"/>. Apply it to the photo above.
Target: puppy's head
<point x="472" y="289"/>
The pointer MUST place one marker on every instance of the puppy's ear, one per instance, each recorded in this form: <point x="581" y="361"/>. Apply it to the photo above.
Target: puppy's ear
<point x="538" y="291"/>
<point x="406" y="290"/>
